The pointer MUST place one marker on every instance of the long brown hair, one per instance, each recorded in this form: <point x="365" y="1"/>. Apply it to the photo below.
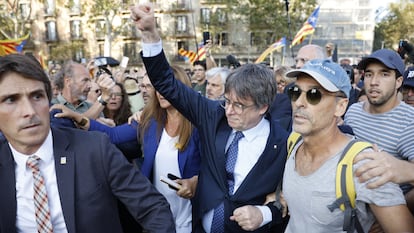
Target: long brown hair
<point x="153" y="110"/>
<point x="124" y="112"/>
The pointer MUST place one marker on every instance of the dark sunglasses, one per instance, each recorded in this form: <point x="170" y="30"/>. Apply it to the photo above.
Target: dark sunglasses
<point x="313" y="95"/>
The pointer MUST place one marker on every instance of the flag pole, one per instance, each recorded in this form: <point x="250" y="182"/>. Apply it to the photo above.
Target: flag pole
<point x="310" y="39"/>
<point x="289" y="28"/>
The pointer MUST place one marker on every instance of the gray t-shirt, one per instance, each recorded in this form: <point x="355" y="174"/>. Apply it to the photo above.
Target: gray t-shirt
<point x="308" y="198"/>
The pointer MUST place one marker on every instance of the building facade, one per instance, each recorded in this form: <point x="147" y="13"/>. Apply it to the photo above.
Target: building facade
<point x="79" y="29"/>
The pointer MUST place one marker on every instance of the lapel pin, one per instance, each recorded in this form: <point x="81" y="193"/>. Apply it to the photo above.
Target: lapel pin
<point x="275" y="147"/>
<point x="62" y="160"/>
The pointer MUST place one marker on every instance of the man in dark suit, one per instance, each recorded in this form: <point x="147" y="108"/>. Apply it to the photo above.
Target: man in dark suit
<point x="228" y="198"/>
<point x="82" y="173"/>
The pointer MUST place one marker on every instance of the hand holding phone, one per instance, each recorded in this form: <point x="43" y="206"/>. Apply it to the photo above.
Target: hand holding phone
<point x="170" y="183"/>
<point x="172" y="176"/>
<point x="206" y="37"/>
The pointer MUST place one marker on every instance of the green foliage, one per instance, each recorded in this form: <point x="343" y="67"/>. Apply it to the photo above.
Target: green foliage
<point x="398" y="24"/>
<point x="13" y="22"/>
<point x="264" y="16"/>
<point x="66" y="51"/>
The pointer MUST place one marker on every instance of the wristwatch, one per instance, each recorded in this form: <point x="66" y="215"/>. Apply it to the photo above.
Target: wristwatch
<point x="83" y="122"/>
<point x="103" y="102"/>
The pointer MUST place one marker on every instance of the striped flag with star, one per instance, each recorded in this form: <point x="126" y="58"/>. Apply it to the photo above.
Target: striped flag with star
<point x="277" y="45"/>
<point x="307" y="28"/>
<point x="12" y="45"/>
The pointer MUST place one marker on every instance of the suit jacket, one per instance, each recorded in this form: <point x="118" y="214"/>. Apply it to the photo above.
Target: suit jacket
<point x="281" y="111"/>
<point x="188" y="160"/>
<point x="210" y="119"/>
<point x="94" y="176"/>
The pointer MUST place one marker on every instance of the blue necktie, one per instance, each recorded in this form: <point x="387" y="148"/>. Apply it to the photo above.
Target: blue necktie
<point x="217" y="225"/>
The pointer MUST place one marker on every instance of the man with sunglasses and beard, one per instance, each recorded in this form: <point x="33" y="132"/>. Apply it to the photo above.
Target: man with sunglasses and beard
<point x="318" y="98"/>
<point x="386" y="121"/>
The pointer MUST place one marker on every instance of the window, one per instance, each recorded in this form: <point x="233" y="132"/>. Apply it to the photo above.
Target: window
<point x="24" y="10"/>
<point x="254" y="39"/>
<point x="222" y="38"/>
<point x="205" y="15"/>
<point x="51" y="31"/>
<point x="50" y="7"/>
<point x="100" y="28"/>
<point x="75" y="29"/>
<point x="79" y="54"/>
<point x="221" y="15"/>
<point x="181" y="4"/>
<point x="181" y="24"/>
<point x="75" y="7"/>
<point x="130" y="50"/>
<point x="183" y="45"/>
<point x="129" y="29"/>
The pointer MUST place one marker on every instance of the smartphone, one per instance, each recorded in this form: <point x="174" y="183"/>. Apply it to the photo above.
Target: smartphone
<point x="172" y="176"/>
<point x="124" y="62"/>
<point x="170" y="183"/>
<point x="206" y="36"/>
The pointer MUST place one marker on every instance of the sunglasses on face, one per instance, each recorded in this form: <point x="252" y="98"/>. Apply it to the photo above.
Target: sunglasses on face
<point x="313" y="95"/>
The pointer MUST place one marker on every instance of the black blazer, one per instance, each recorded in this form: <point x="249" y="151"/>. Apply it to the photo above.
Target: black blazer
<point x="94" y="176"/>
<point x="211" y="121"/>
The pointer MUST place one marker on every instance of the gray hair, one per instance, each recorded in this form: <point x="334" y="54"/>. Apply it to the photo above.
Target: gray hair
<point x="222" y="71"/>
<point x="253" y="81"/>
<point x="66" y="71"/>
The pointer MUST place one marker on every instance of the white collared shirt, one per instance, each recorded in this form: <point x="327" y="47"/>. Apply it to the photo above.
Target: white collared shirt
<point x="251" y="147"/>
<point x="25" y="217"/>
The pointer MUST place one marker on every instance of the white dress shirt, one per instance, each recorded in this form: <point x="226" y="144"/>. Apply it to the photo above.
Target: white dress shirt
<point x="26" y="219"/>
<point x="250" y="148"/>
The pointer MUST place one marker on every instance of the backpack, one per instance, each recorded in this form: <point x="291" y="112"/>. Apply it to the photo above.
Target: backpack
<point x="344" y="182"/>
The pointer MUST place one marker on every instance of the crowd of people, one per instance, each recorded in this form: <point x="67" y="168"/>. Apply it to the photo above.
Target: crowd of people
<point x="160" y="149"/>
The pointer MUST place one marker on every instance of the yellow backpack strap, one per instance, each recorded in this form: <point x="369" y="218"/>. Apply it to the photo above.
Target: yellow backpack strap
<point x="344" y="185"/>
<point x="293" y="139"/>
<point x="344" y="173"/>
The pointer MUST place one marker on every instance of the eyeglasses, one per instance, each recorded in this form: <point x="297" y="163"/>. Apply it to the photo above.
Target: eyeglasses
<point x="147" y="86"/>
<point x="115" y="94"/>
<point x="313" y="95"/>
<point x="238" y="108"/>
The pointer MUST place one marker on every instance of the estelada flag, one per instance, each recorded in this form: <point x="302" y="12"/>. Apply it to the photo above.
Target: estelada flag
<point x="192" y="56"/>
<point x="12" y="45"/>
<point x="307" y="28"/>
<point x="278" y="44"/>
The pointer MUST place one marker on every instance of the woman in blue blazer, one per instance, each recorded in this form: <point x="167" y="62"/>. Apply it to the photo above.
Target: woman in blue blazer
<point x="170" y="146"/>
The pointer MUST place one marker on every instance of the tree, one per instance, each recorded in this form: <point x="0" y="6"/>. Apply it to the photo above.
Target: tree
<point x="110" y="11"/>
<point x="14" y="19"/>
<point x="268" y="19"/>
<point x="396" y="25"/>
